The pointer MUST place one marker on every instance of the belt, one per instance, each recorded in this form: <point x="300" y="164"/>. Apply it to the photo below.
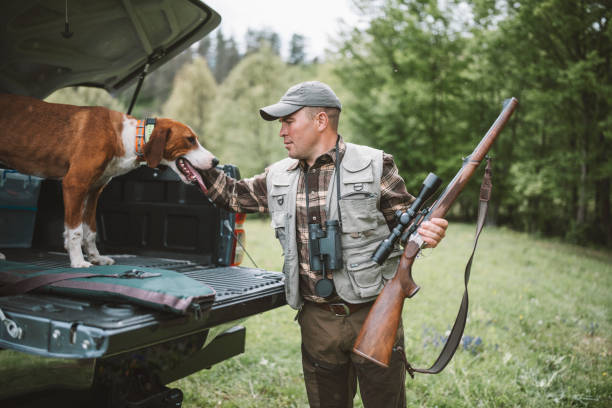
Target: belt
<point x="342" y="309"/>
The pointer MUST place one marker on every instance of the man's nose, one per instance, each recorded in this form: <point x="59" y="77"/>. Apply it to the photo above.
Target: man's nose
<point x="215" y="161"/>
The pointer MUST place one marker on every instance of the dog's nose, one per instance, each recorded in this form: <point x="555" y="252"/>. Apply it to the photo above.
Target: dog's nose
<point x="215" y="161"/>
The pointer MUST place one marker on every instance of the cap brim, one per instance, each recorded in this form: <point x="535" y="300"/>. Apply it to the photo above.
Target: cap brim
<point x="278" y="110"/>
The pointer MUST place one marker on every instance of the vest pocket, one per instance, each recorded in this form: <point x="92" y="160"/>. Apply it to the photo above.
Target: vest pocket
<point x="365" y="277"/>
<point x="278" y="198"/>
<point x="279" y="223"/>
<point x="360" y="214"/>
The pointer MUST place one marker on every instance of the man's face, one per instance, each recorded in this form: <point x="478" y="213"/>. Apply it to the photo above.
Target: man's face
<point x="300" y="136"/>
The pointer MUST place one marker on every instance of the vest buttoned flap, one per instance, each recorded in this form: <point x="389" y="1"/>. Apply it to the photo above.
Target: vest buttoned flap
<point x="279" y="192"/>
<point x="277" y="205"/>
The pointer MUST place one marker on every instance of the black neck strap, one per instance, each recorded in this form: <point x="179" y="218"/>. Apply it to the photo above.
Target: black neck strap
<point x="337" y="171"/>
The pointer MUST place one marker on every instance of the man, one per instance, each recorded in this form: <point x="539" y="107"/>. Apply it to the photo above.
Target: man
<point x="301" y="193"/>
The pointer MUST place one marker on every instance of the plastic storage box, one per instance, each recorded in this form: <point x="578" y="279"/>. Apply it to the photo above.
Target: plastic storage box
<point x="18" y="205"/>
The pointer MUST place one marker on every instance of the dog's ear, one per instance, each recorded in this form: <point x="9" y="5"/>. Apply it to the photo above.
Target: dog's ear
<point x="154" y="149"/>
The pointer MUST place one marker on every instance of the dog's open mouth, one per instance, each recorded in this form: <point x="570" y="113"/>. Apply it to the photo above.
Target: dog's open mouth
<point x="190" y="173"/>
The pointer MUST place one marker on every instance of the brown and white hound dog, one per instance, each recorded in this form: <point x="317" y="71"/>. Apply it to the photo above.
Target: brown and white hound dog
<point x="85" y="147"/>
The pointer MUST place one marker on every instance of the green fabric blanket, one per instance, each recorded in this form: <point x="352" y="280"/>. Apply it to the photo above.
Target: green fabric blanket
<point x="159" y="289"/>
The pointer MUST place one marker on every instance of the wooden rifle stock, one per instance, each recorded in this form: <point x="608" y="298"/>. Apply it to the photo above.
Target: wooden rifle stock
<point x="377" y="336"/>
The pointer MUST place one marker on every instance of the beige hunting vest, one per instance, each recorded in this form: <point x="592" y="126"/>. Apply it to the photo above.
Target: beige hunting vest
<point x="363" y="225"/>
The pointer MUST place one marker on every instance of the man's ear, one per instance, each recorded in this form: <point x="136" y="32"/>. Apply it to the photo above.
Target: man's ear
<point x="154" y="149"/>
<point x="322" y="120"/>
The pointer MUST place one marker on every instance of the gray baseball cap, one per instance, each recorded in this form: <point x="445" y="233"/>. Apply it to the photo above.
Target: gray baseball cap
<point x="311" y="93"/>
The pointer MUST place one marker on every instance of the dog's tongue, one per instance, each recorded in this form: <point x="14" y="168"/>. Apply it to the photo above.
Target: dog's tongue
<point x="198" y="177"/>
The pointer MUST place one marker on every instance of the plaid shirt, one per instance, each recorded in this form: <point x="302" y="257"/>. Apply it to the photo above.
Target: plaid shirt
<point x="250" y="195"/>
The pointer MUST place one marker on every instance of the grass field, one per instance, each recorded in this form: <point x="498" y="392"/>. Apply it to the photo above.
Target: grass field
<point x="539" y="332"/>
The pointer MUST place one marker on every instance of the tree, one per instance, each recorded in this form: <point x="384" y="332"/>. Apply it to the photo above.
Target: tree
<point x="265" y="38"/>
<point x="561" y="52"/>
<point x="193" y="92"/>
<point x="157" y="86"/>
<point x="204" y="48"/>
<point x="297" y="54"/>
<point x="85" y="96"/>
<point x="425" y="90"/>
<point x="237" y="132"/>
<point x="406" y="69"/>
<point x="226" y="56"/>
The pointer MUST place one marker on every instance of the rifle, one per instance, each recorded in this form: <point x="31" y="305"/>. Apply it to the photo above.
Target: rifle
<point x="377" y="336"/>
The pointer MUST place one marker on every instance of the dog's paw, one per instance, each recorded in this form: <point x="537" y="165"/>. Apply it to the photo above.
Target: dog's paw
<point x="2" y="256"/>
<point x="102" y="260"/>
<point x="81" y="264"/>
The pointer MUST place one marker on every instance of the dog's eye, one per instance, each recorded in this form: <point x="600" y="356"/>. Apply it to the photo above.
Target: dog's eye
<point x="191" y="140"/>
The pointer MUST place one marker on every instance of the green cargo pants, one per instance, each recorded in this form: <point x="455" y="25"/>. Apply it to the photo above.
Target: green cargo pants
<point x="331" y="370"/>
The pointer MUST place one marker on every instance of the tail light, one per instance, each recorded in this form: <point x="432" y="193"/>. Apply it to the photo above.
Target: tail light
<point x="239" y="234"/>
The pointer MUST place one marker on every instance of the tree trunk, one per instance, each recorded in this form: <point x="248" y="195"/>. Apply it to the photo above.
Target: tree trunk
<point x="602" y="203"/>
<point x="582" y="195"/>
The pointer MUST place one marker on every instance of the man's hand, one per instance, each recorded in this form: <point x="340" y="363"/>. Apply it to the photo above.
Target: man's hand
<point x="433" y="231"/>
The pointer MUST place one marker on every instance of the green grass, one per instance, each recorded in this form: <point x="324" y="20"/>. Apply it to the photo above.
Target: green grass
<point x="539" y="311"/>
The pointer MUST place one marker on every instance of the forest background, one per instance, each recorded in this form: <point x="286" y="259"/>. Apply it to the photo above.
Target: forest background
<point x="424" y="83"/>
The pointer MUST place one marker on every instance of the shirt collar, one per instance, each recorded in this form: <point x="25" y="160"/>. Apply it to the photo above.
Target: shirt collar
<point x="327" y="157"/>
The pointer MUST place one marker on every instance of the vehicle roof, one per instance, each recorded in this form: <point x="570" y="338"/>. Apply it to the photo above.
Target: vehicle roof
<point x="107" y="43"/>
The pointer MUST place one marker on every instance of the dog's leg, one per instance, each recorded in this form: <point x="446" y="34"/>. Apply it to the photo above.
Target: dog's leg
<point x="73" y="238"/>
<point x="74" y="200"/>
<point x="89" y="229"/>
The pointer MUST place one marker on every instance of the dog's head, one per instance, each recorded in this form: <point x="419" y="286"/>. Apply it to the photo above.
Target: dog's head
<point x="176" y="145"/>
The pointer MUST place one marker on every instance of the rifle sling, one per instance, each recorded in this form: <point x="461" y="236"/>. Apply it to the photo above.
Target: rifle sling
<point x="454" y="338"/>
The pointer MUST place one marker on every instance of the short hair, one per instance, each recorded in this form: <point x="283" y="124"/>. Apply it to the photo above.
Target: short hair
<point x="332" y="113"/>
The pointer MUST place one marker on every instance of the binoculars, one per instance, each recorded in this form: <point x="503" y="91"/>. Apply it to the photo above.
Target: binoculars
<point x="325" y="253"/>
<point x="325" y="247"/>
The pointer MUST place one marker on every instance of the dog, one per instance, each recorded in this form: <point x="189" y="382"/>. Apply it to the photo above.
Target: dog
<point x="85" y="147"/>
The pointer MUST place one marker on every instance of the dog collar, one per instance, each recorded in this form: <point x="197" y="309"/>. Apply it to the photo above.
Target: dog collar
<point x="144" y="128"/>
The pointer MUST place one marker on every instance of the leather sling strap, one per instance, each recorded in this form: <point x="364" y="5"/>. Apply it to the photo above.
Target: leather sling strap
<point x="454" y="338"/>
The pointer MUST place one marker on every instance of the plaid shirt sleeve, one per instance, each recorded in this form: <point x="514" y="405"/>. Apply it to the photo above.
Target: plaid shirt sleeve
<point x="245" y="196"/>
<point x="393" y="193"/>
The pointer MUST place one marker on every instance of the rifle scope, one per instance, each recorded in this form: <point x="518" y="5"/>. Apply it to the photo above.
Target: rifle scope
<point x="430" y="185"/>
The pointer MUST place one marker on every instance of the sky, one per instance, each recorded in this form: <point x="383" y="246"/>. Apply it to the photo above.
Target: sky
<point x="316" y="20"/>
